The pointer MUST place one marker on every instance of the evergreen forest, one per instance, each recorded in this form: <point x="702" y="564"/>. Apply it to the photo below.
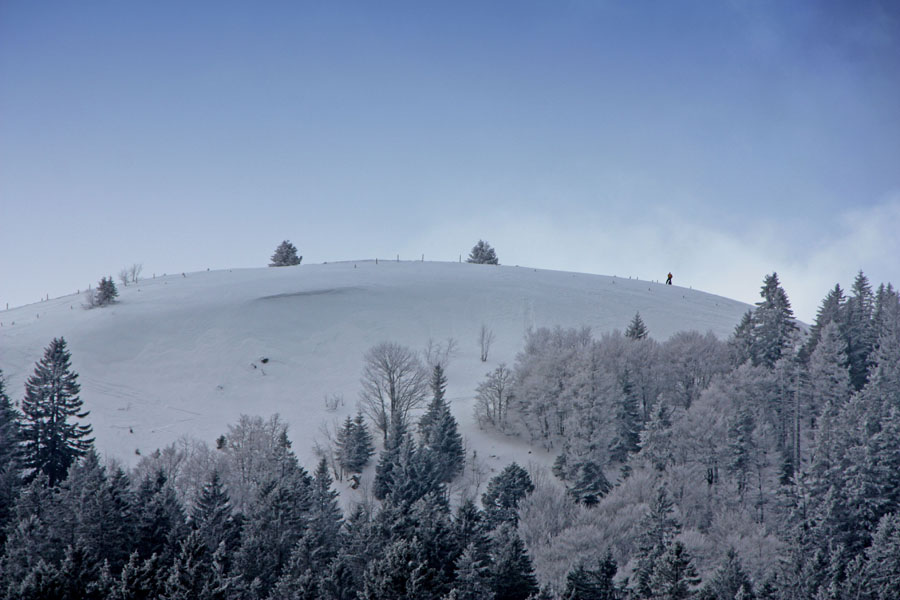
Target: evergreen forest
<point x="763" y="466"/>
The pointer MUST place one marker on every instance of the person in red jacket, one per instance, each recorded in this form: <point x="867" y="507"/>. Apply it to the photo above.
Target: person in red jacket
<point x="669" y="279"/>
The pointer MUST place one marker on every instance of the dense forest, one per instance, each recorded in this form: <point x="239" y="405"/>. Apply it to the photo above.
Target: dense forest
<point x="763" y="466"/>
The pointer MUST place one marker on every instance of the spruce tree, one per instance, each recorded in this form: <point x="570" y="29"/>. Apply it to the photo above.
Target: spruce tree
<point x="830" y="311"/>
<point x="860" y="331"/>
<point x="674" y="576"/>
<point x="636" y="329"/>
<point x="213" y="518"/>
<point x="325" y="518"/>
<point x="400" y="574"/>
<point x="106" y="292"/>
<point x="628" y="421"/>
<point x="729" y="580"/>
<point x="50" y="442"/>
<point x="10" y="476"/>
<point x="774" y="326"/>
<point x="482" y="254"/>
<point x="388" y="460"/>
<point x="882" y="571"/>
<point x="439" y="431"/>
<point x="285" y="255"/>
<point x="472" y="580"/>
<point x="363" y="443"/>
<point x="593" y="584"/>
<point x="273" y="527"/>
<point x="160" y="520"/>
<point x="512" y="573"/>
<point x="659" y="529"/>
<point x="591" y="485"/>
<point x="828" y="380"/>
<point x="354" y="445"/>
<point x="503" y="494"/>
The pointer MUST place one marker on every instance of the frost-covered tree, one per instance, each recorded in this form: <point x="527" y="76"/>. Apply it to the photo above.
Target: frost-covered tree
<point x="830" y="311"/>
<point x="394" y="381"/>
<point x="482" y="253"/>
<point x="493" y="398"/>
<point x="590" y="485"/>
<point x="859" y="330"/>
<point x="774" y="327"/>
<point x="503" y="494"/>
<point x="285" y="255"/>
<point x="729" y="580"/>
<point x="674" y="576"/>
<point x="213" y="517"/>
<point x="636" y="329"/>
<point x="583" y="583"/>
<point x="51" y="442"/>
<point x="828" y="378"/>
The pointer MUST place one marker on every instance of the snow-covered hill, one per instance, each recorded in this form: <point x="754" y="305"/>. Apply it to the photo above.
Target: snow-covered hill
<point x="188" y="354"/>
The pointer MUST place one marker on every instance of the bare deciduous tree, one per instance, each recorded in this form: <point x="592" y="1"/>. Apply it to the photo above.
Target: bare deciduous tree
<point x="440" y="353"/>
<point x="485" y="339"/>
<point x="124" y="276"/>
<point x="394" y="381"/>
<point x="134" y="272"/>
<point x="494" y="396"/>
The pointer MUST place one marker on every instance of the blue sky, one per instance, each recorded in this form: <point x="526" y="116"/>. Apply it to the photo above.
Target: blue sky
<point x="718" y="140"/>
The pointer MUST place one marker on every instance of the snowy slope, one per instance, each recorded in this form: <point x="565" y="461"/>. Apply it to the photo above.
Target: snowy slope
<point x="183" y="354"/>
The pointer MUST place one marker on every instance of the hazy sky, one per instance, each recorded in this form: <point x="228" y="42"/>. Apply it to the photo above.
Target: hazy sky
<point x="719" y="140"/>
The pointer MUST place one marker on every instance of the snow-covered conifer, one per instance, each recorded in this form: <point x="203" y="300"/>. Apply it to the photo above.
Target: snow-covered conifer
<point x="285" y="255"/>
<point x="482" y="253"/>
<point x="636" y="329"/>
<point x="50" y="441"/>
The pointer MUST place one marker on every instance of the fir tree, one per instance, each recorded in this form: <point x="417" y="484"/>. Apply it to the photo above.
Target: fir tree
<point x="591" y="484"/>
<point x="388" y="460"/>
<point x="829" y="312"/>
<point x="729" y="580"/>
<point x="828" y="380"/>
<point x="141" y="579"/>
<point x="439" y="431"/>
<point x="191" y="572"/>
<point x="325" y="518"/>
<point x="160" y="519"/>
<point x="593" y="584"/>
<point x="10" y="476"/>
<point x="628" y="422"/>
<point x="659" y="530"/>
<point x="51" y="442"/>
<point x="512" y="574"/>
<point x="285" y="255"/>
<point x="96" y="511"/>
<point x="273" y="528"/>
<point x="106" y="292"/>
<point x="354" y="445"/>
<point x="213" y="518"/>
<point x="503" y="494"/>
<point x="472" y="577"/>
<point x="400" y="575"/>
<point x="636" y="329"/>
<point x="674" y="575"/>
<point x="859" y="330"/>
<point x="882" y="570"/>
<point x="774" y="326"/>
<point x="482" y="253"/>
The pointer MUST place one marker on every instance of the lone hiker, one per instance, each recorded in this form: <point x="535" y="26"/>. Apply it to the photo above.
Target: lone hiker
<point x="669" y="279"/>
